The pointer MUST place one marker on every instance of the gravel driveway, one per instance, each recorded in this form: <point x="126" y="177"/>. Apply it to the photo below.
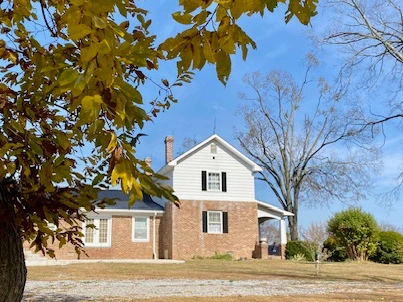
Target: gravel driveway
<point x="88" y="290"/>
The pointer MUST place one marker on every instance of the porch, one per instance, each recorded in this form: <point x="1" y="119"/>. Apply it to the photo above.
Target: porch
<point x="267" y="212"/>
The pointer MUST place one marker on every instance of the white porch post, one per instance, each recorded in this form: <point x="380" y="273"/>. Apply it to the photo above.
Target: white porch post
<point x="283" y="237"/>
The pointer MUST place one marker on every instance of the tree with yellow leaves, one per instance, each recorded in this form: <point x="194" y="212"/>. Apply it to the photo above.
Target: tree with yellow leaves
<point x="70" y="76"/>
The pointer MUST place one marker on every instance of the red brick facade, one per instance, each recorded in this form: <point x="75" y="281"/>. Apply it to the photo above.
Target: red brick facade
<point x="122" y="246"/>
<point x="185" y="237"/>
<point x="179" y="234"/>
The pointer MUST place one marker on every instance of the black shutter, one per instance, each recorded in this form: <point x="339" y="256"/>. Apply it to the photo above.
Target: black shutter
<point x="224" y="181"/>
<point x="204" y="219"/>
<point x="225" y="222"/>
<point x="204" y="181"/>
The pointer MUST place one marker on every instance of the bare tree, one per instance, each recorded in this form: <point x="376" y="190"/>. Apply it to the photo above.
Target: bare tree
<point x="369" y="32"/>
<point x="314" y="237"/>
<point x="311" y="149"/>
<point x="270" y="230"/>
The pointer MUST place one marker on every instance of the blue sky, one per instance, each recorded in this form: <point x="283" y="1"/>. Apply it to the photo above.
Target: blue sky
<point x="205" y="105"/>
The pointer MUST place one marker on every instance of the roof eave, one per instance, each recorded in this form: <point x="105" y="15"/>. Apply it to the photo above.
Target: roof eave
<point x="129" y="211"/>
<point x="274" y="208"/>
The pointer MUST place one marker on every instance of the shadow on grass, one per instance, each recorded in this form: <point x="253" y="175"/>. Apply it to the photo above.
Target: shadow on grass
<point x="32" y="297"/>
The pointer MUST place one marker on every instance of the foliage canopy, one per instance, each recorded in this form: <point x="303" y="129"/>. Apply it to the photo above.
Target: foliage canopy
<point x="357" y="231"/>
<point x="390" y="248"/>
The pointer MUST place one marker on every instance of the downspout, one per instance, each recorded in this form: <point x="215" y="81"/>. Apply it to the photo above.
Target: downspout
<point x="154" y="254"/>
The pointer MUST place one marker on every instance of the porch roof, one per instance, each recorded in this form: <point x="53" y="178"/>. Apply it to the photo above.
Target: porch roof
<point x="266" y="210"/>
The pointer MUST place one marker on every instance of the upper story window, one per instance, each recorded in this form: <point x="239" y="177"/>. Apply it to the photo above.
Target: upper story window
<point x="141" y="228"/>
<point x="214" y="181"/>
<point x="100" y="235"/>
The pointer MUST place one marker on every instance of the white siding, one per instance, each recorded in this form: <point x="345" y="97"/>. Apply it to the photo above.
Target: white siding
<point x="187" y="175"/>
<point x="168" y="181"/>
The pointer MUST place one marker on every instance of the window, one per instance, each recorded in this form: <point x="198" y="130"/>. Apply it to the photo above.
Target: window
<point x="101" y="235"/>
<point x="140" y="229"/>
<point x="215" y="222"/>
<point x="214" y="181"/>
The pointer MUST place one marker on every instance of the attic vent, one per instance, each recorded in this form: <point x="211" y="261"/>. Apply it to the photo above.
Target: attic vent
<point x="213" y="148"/>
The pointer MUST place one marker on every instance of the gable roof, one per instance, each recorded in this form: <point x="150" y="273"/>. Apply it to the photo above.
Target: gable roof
<point x="214" y="137"/>
<point x="122" y="201"/>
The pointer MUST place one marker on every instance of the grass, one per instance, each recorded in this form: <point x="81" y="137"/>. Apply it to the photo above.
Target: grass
<point x="240" y="270"/>
<point x="218" y="269"/>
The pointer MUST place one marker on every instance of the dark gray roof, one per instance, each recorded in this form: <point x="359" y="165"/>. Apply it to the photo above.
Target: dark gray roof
<point x="122" y="201"/>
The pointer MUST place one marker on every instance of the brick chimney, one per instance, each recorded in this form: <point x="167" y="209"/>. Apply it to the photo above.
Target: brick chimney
<point x="169" y="144"/>
<point x="148" y="162"/>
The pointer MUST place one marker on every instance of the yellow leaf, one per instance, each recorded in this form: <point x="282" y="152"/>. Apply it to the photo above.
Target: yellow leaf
<point x="221" y="13"/>
<point x="104" y="47"/>
<point x="117" y="172"/>
<point x="186" y="18"/>
<point x="68" y="76"/>
<point x="131" y="92"/>
<point x="88" y="53"/>
<point x="77" y="2"/>
<point x="201" y="17"/>
<point x="136" y="193"/>
<point x="98" y="99"/>
<point x="113" y="142"/>
<point x="87" y="102"/>
<point x="99" y="22"/>
<point x="223" y="66"/>
<point x="79" y="85"/>
<point x="79" y="31"/>
<point x="227" y="44"/>
<point x="207" y="51"/>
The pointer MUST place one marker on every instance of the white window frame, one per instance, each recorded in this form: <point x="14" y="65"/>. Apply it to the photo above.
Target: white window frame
<point x="215" y="223"/>
<point x="208" y="181"/>
<point x="148" y="229"/>
<point x="96" y="242"/>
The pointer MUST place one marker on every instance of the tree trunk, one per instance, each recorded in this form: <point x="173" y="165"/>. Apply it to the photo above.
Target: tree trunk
<point x="13" y="272"/>
<point x="293" y="225"/>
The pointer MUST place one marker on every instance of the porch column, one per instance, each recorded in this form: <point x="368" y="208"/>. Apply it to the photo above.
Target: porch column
<point x="283" y="237"/>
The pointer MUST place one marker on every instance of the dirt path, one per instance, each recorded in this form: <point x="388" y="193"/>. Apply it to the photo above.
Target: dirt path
<point x="88" y="290"/>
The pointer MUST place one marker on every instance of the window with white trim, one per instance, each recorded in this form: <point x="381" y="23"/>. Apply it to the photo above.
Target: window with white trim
<point x="213" y="182"/>
<point x="140" y="229"/>
<point x="214" y="222"/>
<point x="100" y="235"/>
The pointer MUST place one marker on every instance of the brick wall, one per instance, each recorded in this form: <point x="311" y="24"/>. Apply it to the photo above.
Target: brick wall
<point x="121" y="247"/>
<point x="188" y="239"/>
<point x="165" y="229"/>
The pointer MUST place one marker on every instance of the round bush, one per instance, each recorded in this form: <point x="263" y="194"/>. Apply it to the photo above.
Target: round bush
<point x="390" y="248"/>
<point x="337" y="252"/>
<point x="297" y="247"/>
<point x="355" y="230"/>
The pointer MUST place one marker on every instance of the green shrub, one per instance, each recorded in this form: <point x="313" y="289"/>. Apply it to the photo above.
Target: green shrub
<point x="337" y="252"/>
<point x="355" y="230"/>
<point x="390" y="248"/>
<point x="297" y="248"/>
<point x="219" y="256"/>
